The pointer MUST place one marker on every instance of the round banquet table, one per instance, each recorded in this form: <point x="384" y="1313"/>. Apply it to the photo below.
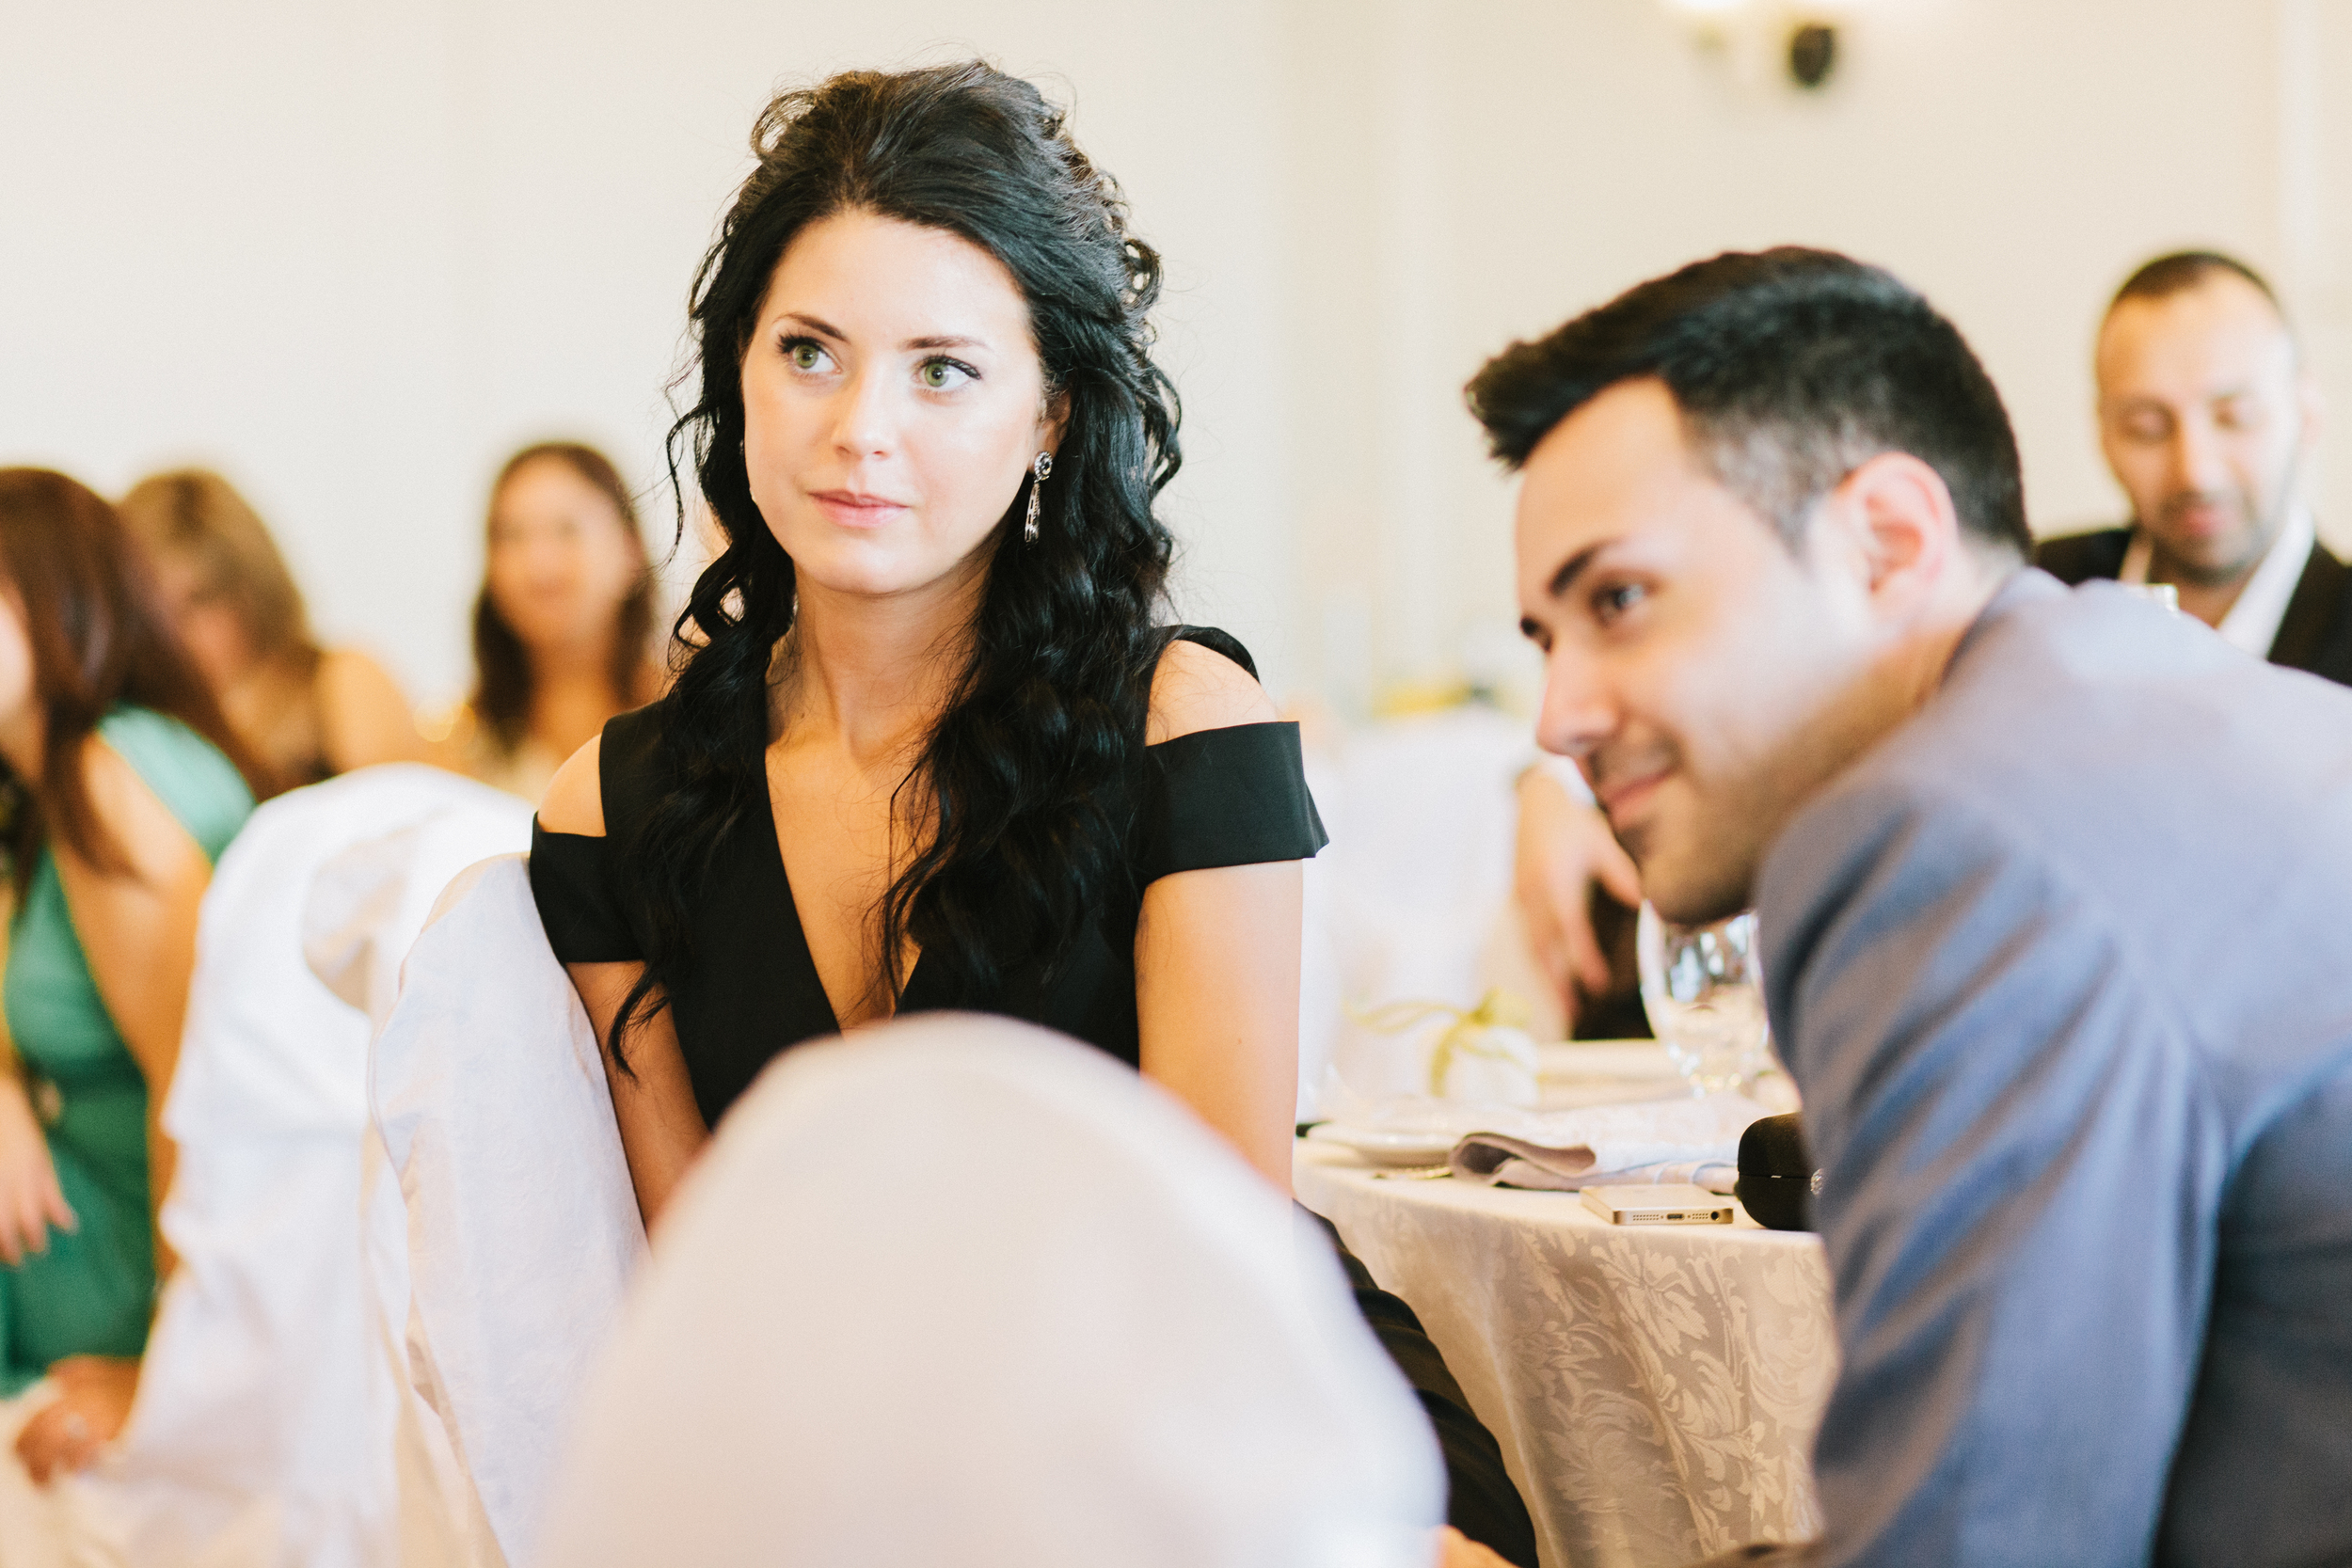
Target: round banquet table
<point x="1655" y="1388"/>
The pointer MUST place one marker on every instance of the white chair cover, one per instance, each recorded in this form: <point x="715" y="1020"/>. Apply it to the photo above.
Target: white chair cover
<point x="958" y="1291"/>
<point x="1413" y="900"/>
<point x="521" y="1225"/>
<point x="366" y="908"/>
<point x="263" y="1433"/>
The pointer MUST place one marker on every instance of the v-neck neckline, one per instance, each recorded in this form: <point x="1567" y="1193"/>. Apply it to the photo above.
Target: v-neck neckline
<point x="799" y="957"/>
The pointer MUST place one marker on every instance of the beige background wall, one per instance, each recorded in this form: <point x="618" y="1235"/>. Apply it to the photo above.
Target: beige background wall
<point x="353" y="260"/>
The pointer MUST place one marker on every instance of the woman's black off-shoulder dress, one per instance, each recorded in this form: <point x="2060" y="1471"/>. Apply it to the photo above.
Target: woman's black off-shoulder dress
<point x="1214" y="797"/>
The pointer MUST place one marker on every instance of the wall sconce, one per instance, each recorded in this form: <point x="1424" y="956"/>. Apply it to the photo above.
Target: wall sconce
<point x="1797" y="41"/>
<point x="1812" y="53"/>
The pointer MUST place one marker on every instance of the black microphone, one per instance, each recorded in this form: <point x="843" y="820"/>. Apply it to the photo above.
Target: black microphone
<point x="1776" y="1176"/>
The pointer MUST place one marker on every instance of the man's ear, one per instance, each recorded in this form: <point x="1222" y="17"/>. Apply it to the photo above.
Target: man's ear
<point x="1900" y="520"/>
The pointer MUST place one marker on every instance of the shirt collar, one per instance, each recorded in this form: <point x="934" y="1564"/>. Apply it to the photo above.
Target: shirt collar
<point x="2252" y="622"/>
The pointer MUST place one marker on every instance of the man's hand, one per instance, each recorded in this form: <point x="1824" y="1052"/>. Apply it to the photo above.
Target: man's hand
<point x="30" y="1199"/>
<point x="1457" y="1550"/>
<point x="1565" y="846"/>
<point x="94" y="1395"/>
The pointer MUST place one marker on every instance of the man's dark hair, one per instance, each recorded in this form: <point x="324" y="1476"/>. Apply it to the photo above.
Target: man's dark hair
<point x="1792" y="367"/>
<point x="2184" y="270"/>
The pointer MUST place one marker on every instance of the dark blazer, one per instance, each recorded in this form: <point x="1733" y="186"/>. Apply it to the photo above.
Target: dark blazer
<point x="2315" y="634"/>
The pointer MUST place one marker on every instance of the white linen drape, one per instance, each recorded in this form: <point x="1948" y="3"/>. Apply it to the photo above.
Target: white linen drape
<point x="1654" y="1390"/>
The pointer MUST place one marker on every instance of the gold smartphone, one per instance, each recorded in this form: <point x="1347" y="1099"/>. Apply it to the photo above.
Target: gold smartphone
<point x="1667" y="1203"/>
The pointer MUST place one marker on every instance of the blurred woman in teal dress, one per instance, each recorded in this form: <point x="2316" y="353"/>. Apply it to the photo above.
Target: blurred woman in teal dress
<point x="122" y="785"/>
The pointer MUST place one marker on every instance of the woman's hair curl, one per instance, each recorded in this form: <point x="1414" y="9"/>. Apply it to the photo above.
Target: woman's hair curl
<point x="1047" y="716"/>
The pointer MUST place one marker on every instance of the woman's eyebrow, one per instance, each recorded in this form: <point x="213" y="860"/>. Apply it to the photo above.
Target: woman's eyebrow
<point x="821" y="327"/>
<point x="824" y="328"/>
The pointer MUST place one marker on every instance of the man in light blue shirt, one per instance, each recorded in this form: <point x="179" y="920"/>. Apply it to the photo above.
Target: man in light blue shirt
<point x="2054" y="893"/>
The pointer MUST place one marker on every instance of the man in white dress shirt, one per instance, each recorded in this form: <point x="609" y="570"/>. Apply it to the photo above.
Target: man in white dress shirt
<point x="2208" y="417"/>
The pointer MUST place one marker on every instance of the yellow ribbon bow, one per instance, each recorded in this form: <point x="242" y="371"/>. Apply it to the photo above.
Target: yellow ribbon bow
<point x="1497" y="1009"/>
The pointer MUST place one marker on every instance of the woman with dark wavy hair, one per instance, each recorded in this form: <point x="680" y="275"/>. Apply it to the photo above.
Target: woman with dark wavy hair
<point x="122" y="784"/>
<point x="927" y="745"/>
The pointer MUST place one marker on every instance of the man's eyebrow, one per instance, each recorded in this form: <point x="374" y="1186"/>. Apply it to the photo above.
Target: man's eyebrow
<point x="1570" y="569"/>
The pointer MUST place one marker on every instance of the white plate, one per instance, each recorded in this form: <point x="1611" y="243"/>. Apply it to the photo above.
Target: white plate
<point x="1385" y="1149"/>
<point x="1596" y="1059"/>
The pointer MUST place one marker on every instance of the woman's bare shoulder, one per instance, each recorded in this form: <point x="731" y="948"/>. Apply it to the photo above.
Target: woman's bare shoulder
<point x="574" y="802"/>
<point x="355" y="671"/>
<point x="363" y="712"/>
<point x="133" y="821"/>
<point x="1199" y="688"/>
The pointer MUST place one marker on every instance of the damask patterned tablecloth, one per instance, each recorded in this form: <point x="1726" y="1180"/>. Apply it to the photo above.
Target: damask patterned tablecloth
<point x="1655" y="1388"/>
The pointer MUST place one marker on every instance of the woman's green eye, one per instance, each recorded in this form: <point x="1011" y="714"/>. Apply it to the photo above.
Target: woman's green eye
<point x="803" y="356"/>
<point x="942" y="375"/>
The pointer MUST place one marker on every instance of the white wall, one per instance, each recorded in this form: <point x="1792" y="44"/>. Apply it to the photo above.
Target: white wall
<point x="354" y="259"/>
<point x="2013" y="158"/>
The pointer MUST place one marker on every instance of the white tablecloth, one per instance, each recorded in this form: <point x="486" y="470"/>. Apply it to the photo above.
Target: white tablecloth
<point x="1654" y="1390"/>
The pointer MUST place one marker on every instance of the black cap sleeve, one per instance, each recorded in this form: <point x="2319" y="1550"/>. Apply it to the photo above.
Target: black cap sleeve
<point x="1230" y="797"/>
<point x="571" y="881"/>
<point x="581" y="883"/>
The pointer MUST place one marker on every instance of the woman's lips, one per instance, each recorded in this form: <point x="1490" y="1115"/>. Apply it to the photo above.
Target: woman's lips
<point x="851" y="509"/>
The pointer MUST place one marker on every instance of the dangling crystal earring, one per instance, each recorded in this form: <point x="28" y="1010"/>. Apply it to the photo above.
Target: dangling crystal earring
<point x="1041" y="469"/>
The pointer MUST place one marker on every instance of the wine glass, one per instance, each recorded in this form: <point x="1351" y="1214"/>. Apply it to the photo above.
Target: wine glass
<point x="1703" y="987"/>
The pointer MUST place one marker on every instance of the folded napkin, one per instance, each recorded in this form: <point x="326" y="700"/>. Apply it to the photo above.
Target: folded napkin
<point x="1668" y="1140"/>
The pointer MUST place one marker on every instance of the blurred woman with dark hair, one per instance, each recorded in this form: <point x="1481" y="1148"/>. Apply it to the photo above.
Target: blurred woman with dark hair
<point x="563" y="631"/>
<point x="125" y="783"/>
<point x="307" y="712"/>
